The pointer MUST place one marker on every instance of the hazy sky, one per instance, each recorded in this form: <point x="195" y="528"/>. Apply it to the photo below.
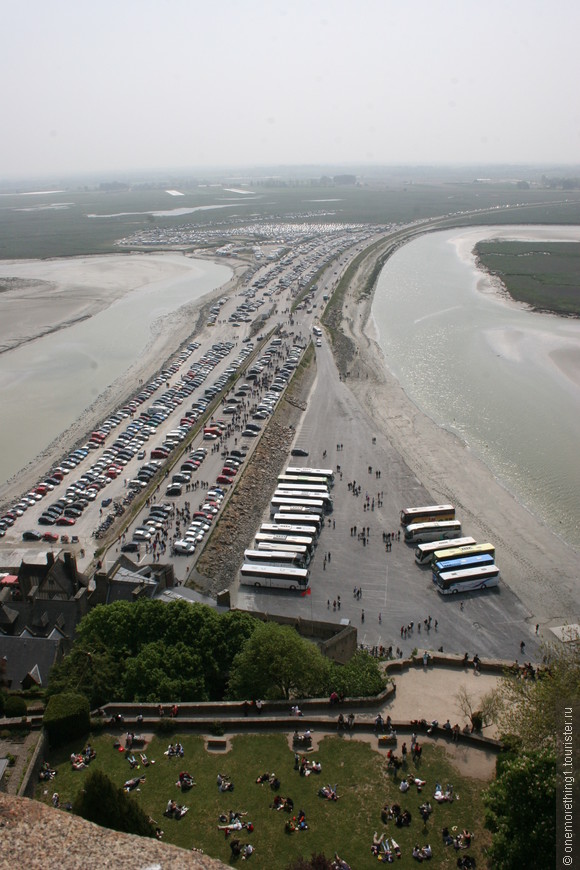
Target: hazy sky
<point x="119" y="84"/>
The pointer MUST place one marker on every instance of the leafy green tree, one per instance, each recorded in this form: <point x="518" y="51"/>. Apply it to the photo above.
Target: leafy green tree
<point x="165" y="673"/>
<point x="361" y="677"/>
<point x="530" y="708"/>
<point x="102" y="802"/>
<point x="149" y="650"/>
<point x="14" y="707"/>
<point x="277" y="663"/>
<point x="521" y="811"/>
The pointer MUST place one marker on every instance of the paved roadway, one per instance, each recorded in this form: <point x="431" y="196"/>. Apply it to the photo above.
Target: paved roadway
<point x="491" y="623"/>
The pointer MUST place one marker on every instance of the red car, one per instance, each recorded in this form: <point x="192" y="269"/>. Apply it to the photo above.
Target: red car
<point x="223" y="478"/>
<point x="231" y="472"/>
<point x="50" y="536"/>
<point x="65" y="521"/>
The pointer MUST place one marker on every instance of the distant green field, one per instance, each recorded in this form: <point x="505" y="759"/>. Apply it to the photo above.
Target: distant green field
<point x="347" y="826"/>
<point x="541" y="274"/>
<point x="57" y="224"/>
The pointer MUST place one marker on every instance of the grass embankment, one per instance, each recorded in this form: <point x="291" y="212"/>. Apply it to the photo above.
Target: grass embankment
<point x="345" y="826"/>
<point x="541" y="274"/>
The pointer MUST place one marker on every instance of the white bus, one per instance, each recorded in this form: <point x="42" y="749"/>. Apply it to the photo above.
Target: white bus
<point x="467" y="579"/>
<point x="301" y="551"/>
<point x="424" y="552"/>
<point x="304" y="487"/>
<point x="418" y="533"/>
<point x="285" y="529"/>
<point x="324" y="497"/>
<point x="274" y="576"/>
<point x="301" y="518"/>
<point x="428" y="514"/>
<point x="288" y="542"/>
<point x="467" y="550"/>
<point x="298" y="478"/>
<point x="275" y="557"/>
<point x="327" y="473"/>
<point x="314" y="505"/>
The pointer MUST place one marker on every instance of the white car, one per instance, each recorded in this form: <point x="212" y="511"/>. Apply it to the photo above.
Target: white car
<point x="183" y="548"/>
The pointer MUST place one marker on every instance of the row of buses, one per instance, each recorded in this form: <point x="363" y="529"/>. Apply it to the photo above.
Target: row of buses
<point x="458" y="564"/>
<point x="284" y="547"/>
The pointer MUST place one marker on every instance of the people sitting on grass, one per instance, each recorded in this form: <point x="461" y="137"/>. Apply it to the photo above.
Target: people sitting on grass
<point x="282" y="803"/>
<point x="403" y="820"/>
<point x="422" y="853"/>
<point x="466" y="862"/>
<point x="296" y="823"/>
<point x="441" y="796"/>
<point x="185" y="781"/>
<point x="329" y="792"/>
<point x="247" y="851"/>
<point x="174" y="751"/>
<point x="224" y="783"/>
<point x="339" y="863"/>
<point x="77" y="761"/>
<point x="425" y="809"/>
<point x="145" y="761"/>
<point x="270" y="778"/>
<point x="133" y="783"/>
<point x="174" y="810"/>
<point x="46" y="772"/>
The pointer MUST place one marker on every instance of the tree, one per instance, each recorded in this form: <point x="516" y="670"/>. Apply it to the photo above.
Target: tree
<point x="277" y="663"/>
<point x="101" y="802"/>
<point x="531" y="708"/>
<point x="361" y="677"/>
<point x="521" y="811"/>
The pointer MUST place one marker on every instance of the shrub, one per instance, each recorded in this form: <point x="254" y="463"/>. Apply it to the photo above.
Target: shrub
<point x="15" y="707"/>
<point x="217" y="728"/>
<point x="66" y="717"/>
<point x="2" y="703"/>
<point x="166" y="726"/>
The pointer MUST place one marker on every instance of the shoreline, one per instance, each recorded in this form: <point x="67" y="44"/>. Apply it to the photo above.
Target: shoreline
<point x="530" y="554"/>
<point x="540" y="568"/>
<point x="168" y="334"/>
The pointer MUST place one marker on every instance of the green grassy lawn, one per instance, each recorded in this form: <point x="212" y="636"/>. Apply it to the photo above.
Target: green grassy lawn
<point x="345" y="826"/>
<point x="542" y="274"/>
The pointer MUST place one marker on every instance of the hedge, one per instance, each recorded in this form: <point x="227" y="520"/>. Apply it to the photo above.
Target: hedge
<point x="66" y="717"/>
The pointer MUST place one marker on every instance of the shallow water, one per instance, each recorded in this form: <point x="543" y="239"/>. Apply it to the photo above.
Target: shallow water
<point x="495" y="374"/>
<point x="47" y="384"/>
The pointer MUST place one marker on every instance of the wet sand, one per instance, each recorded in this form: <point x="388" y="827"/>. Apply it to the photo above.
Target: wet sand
<point x="49" y="295"/>
<point x="540" y="568"/>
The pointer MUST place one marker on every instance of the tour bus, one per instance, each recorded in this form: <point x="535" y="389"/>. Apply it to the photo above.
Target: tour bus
<point x="273" y="576"/>
<point x="327" y="473"/>
<point x="301" y="550"/>
<point x="302" y="518"/>
<point x="424" y="552"/>
<point x="324" y="497"/>
<point x="468" y="579"/>
<point x="288" y="542"/>
<point x="459" y="552"/>
<point x="275" y="557"/>
<point x="300" y="478"/>
<point x="304" y="487"/>
<point x="314" y="505"/>
<point x="418" y="533"/>
<point x="286" y="529"/>
<point x="460" y="564"/>
<point x="428" y="514"/>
